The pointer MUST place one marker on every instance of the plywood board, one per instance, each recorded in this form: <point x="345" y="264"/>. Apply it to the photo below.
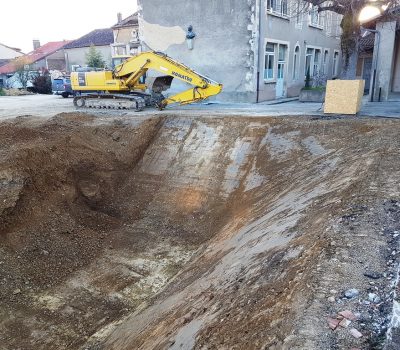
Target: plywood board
<point x="344" y="96"/>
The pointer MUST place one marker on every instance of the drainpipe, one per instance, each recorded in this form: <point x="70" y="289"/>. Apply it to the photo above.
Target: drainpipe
<point x="258" y="3"/>
<point x="67" y="67"/>
<point x="375" y="66"/>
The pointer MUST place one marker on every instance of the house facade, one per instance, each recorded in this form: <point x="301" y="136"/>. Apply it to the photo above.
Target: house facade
<point x="126" y="36"/>
<point x="8" y="53"/>
<point x="46" y="57"/>
<point x="76" y="51"/>
<point x="258" y="49"/>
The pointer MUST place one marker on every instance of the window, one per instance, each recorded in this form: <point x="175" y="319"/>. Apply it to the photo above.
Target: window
<point x="281" y="60"/>
<point x="269" y="61"/>
<point x="336" y="25"/>
<point x="309" y="54"/>
<point x="317" y="61"/>
<point x="299" y="17"/>
<point x="325" y="59"/>
<point x="275" y="61"/>
<point x="316" y="19"/>
<point x="335" y="64"/>
<point x="296" y="61"/>
<point x="329" y="23"/>
<point x="313" y="61"/>
<point x="278" y="7"/>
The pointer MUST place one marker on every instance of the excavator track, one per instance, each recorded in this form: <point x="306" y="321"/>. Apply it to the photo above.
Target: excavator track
<point x="110" y="101"/>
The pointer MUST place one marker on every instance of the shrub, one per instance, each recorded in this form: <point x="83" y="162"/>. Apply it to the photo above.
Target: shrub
<point x="2" y="92"/>
<point x="42" y="84"/>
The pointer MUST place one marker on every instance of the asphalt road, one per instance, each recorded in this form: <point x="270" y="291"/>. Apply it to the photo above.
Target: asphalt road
<point x="37" y="105"/>
<point x="50" y="105"/>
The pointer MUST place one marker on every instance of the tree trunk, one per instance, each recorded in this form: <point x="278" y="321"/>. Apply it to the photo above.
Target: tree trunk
<point x="349" y="41"/>
<point x="349" y="64"/>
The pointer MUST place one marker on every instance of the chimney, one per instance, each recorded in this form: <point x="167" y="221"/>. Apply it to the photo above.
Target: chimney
<point x="36" y="44"/>
<point x="119" y="16"/>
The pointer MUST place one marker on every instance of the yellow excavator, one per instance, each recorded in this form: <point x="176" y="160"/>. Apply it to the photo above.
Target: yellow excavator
<point x="129" y="87"/>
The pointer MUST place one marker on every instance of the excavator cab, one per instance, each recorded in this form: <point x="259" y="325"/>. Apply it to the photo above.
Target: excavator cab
<point x="117" y="60"/>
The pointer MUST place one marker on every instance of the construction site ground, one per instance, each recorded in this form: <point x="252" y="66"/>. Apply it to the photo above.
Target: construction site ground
<point x="197" y="228"/>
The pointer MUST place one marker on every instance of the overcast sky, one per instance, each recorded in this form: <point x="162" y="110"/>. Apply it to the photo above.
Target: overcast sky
<point x="50" y="20"/>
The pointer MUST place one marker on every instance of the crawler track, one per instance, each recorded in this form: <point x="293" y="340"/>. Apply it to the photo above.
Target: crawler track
<point x="110" y="101"/>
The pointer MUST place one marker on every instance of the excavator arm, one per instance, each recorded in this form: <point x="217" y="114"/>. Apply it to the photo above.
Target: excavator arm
<point x="134" y="68"/>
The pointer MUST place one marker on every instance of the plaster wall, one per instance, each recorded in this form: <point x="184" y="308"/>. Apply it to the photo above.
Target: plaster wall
<point x="222" y="47"/>
<point x="78" y="55"/>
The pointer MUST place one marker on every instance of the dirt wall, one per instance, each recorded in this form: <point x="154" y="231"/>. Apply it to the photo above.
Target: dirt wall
<point x="216" y="233"/>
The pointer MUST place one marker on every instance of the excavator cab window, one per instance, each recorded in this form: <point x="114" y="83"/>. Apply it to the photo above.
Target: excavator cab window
<point x="116" y="61"/>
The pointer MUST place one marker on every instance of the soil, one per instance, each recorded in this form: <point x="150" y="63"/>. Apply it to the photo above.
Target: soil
<point x="16" y="92"/>
<point x="203" y="233"/>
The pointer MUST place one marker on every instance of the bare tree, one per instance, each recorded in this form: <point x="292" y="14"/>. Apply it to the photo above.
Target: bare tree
<point x="21" y="67"/>
<point x="350" y="24"/>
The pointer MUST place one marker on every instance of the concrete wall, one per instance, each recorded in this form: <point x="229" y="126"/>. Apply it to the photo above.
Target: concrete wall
<point x="78" y="55"/>
<point x="123" y="35"/>
<point x="293" y="32"/>
<point x="385" y="63"/>
<point x="127" y="36"/>
<point x="222" y="49"/>
<point x="396" y="69"/>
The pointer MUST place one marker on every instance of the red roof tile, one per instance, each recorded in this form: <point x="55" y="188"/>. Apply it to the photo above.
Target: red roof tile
<point x="36" y="55"/>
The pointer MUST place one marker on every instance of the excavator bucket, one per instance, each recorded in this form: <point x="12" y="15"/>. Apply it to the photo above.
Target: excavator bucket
<point x="159" y="84"/>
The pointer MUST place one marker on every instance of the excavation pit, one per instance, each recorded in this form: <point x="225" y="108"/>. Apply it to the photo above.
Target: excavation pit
<point x="181" y="232"/>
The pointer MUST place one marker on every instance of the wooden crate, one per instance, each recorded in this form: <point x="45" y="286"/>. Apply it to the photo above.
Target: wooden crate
<point x="344" y="96"/>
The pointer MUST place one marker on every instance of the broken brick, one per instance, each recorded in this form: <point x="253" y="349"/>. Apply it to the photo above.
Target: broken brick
<point x="344" y="323"/>
<point x="333" y="323"/>
<point x="355" y="333"/>
<point x="348" y="314"/>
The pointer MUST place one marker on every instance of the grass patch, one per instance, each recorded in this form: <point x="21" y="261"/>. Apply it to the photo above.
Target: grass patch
<point x="317" y="88"/>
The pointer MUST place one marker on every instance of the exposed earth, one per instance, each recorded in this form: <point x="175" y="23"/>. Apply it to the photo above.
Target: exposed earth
<point x="181" y="232"/>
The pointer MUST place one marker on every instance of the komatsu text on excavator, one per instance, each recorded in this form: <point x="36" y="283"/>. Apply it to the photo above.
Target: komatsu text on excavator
<point x="129" y="87"/>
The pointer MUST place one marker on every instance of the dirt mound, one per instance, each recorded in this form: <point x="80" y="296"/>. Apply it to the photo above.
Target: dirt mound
<point x="196" y="233"/>
<point x="16" y="92"/>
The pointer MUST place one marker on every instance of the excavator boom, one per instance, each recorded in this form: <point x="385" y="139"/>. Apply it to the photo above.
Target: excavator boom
<point x="126" y="82"/>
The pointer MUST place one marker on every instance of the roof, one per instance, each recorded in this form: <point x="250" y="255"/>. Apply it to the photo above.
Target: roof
<point x="129" y="21"/>
<point x="97" y="37"/>
<point x="36" y="55"/>
<point x="11" y="48"/>
<point x="3" y="61"/>
<point x="367" y="43"/>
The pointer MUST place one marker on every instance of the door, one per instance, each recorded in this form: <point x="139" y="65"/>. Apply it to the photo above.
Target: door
<point x="367" y="68"/>
<point x="281" y="76"/>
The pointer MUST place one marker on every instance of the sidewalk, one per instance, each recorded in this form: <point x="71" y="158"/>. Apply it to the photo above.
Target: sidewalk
<point x="294" y="107"/>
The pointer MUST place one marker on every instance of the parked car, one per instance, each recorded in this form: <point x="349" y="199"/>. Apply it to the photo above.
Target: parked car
<point x="62" y="86"/>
